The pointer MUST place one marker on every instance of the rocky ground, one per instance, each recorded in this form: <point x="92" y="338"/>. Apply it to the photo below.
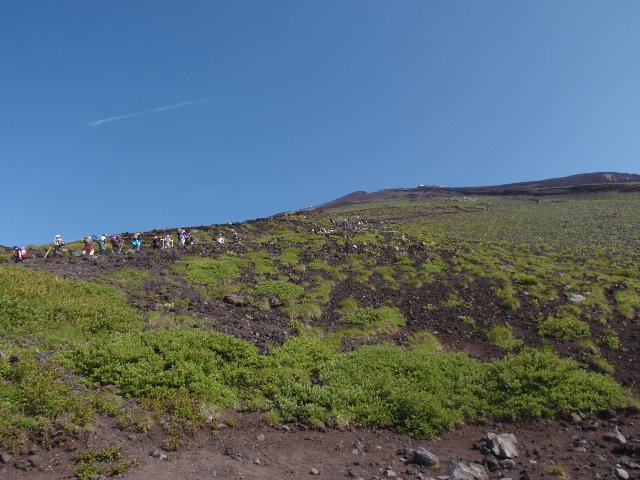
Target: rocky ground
<point x="575" y="446"/>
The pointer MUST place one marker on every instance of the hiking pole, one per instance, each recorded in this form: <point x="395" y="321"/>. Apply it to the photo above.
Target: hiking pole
<point x="45" y="255"/>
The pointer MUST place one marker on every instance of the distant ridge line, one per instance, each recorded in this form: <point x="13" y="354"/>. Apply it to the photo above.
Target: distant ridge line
<point x="572" y="184"/>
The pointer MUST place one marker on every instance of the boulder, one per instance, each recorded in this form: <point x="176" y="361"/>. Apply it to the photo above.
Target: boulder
<point x="502" y="445"/>
<point x="576" y="298"/>
<point x="466" y="471"/>
<point x="422" y="456"/>
<point x="621" y="473"/>
<point x="235" y="299"/>
<point x="275" y="302"/>
<point x="616" y="437"/>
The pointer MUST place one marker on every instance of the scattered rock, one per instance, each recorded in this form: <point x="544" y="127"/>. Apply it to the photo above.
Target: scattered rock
<point x="236" y="299"/>
<point x="275" y="302"/>
<point x="390" y="473"/>
<point x="466" y="471"/>
<point x="159" y="454"/>
<point x="576" y="298"/>
<point x="314" y="471"/>
<point x="5" y="457"/>
<point x="260" y="438"/>
<point x="22" y="465"/>
<point x="36" y="460"/>
<point x="616" y="437"/>
<point x="621" y="473"/>
<point x="502" y="445"/>
<point x="575" y="418"/>
<point x="422" y="456"/>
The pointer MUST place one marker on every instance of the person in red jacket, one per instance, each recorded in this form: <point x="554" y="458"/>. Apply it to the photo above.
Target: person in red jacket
<point x="21" y="253"/>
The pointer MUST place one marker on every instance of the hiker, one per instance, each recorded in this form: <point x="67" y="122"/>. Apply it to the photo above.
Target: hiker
<point x="168" y="241"/>
<point x="189" y="239"/>
<point x="58" y="245"/>
<point x="136" y="243"/>
<point x="182" y="236"/>
<point x="21" y="253"/>
<point x="236" y="237"/>
<point x="220" y="239"/>
<point x="116" y="243"/>
<point x="102" y="243"/>
<point x="88" y="245"/>
<point x="157" y="242"/>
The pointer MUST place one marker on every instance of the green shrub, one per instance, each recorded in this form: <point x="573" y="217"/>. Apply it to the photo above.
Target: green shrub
<point x="166" y="365"/>
<point x="539" y="383"/>
<point x="502" y="337"/>
<point x="565" y="328"/>
<point x="423" y="393"/>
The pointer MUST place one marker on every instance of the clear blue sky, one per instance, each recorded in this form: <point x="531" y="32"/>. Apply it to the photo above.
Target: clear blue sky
<point x="123" y="116"/>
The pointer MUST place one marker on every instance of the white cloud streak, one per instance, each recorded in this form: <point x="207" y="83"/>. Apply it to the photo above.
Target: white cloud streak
<point x="164" y="108"/>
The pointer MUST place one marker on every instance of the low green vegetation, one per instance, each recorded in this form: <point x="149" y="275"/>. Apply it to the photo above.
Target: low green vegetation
<point x="502" y="337"/>
<point x="566" y="328"/>
<point x="350" y="354"/>
<point x="34" y="303"/>
<point x="383" y="320"/>
<point x="211" y="271"/>
<point x="107" y="461"/>
<point x="424" y="342"/>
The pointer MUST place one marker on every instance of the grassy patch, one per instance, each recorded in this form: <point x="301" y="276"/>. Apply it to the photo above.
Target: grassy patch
<point x="209" y="271"/>
<point x="628" y="302"/>
<point x="281" y="289"/>
<point x="35" y="303"/>
<point x="424" y="342"/>
<point x="502" y="337"/>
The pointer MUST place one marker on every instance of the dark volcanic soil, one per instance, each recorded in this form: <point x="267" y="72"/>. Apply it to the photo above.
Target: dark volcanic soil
<point x="252" y="450"/>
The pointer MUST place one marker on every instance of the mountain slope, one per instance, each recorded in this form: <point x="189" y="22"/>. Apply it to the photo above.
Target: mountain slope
<point x="573" y="184"/>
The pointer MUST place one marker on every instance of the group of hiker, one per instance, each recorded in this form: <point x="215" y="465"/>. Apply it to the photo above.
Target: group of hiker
<point x="185" y="239"/>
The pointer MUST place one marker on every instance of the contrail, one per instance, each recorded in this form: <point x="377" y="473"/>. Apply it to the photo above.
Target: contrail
<point x="186" y="103"/>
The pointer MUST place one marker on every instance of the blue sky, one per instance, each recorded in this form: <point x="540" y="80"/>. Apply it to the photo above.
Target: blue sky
<point x="122" y="116"/>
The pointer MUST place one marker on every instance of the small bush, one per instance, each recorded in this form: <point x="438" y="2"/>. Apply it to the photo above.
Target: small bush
<point x="502" y="337"/>
<point x="424" y="342"/>
<point x="566" y="328"/>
